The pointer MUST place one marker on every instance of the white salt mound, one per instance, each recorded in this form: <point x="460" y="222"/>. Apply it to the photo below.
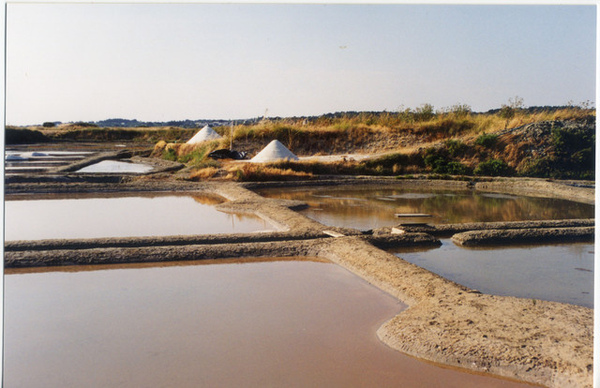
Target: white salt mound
<point x="115" y="167"/>
<point x="205" y="134"/>
<point x="272" y="152"/>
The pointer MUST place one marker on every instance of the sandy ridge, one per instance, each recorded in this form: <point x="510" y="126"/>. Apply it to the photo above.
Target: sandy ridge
<point x="537" y="341"/>
<point x="537" y="235"/>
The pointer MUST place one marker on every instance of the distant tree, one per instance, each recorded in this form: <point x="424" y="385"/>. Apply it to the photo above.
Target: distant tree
<point x="48" y="124"/>
<point x="424" y="113"/>
<point x="508" y="111"/>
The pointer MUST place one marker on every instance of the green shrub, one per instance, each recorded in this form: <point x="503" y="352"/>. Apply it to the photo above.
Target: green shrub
<point x="461" y="110"/>
<point x="170" y="154"/>
<point x="388" y="161"/>
<point x="455" y="147"/>
<point x="194" y="157"/>
<point x="487" y="140"/>
<point x="14" y="135"/>
<point x="457" y="168"/>
<point x="567" y="142"/>
<point x="424" y="113"/>
<point x="584" y="158"/>
<point x="438" y="160"/>
<point x="492" y="167"/>
<point x="436" y="163"/>
<point x="537" y="167"/>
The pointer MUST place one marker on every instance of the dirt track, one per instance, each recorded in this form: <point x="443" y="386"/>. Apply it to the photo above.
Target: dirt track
<point x="541" y="342"/>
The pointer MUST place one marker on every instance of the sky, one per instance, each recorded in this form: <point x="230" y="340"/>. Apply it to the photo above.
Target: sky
<point x="161" y="62"/>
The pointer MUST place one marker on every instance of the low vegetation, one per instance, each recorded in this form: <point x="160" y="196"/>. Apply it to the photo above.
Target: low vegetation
<point x="257" y="172"/>
<point x="446" y="142"/>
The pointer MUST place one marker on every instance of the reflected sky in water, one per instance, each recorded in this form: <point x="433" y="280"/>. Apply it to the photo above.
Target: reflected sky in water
<point x="122" y="216"/>
<point x="267" y="324"/>
<point x="555" y="272"/>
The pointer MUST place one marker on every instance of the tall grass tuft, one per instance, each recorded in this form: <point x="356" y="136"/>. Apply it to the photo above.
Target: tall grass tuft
<point x="256" y="172"/>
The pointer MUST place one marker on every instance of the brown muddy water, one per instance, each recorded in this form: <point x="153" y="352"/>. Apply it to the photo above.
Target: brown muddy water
<point x="225" y="323"/>
<point x="81" y="216"/>
<point x="370" y="207"/>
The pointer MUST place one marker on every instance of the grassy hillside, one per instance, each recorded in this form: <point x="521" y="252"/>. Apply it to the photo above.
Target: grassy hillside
<point x="544" y="142"/>
<point x="557" y="143"/>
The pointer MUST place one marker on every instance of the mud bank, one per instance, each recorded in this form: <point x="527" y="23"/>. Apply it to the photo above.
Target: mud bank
<point x="450" y="229"/>
<point x="517" y="236"/>
<point x="184" y="248"/>
<point x="540" y="342"/>
<point x="382" y="241"/>
<point x="538" y="188"/>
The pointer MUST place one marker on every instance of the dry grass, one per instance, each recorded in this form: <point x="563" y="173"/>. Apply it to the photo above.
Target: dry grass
<point x="190" y="154"/>
<point x="415" y="137"/>
<point x="337" y="131"/>
<point x="204" y="173"/>
<point x="255" y="172"/>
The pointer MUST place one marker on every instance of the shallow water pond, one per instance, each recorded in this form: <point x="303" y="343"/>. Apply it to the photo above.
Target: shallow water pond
<point x="122" y="216"/>
<point x="562" y="273"/>
<point x="369" y="207"/>
<point x="212" y="324"/>
<point x="26" y="160"/>
<point x="556" y="272"/>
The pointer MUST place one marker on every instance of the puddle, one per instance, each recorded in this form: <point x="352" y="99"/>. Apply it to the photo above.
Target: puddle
<point x="116" y="167"/>
<point x="557" y="272"/>
<point x="122" y="216"/>
<point x="372" y="207"/>
<point x="215" y="323"/>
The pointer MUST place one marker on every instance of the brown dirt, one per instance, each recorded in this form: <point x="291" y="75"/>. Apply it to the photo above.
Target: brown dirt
<point x="535" y="235"/>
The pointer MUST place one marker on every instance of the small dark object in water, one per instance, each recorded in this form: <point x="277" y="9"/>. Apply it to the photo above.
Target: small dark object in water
<point x="227" y="154"/>
<point x="402" y="215"/>
<point x="584" y="269"/>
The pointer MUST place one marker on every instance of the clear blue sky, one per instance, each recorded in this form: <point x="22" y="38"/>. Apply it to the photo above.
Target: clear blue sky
<point x="158" y="62"/>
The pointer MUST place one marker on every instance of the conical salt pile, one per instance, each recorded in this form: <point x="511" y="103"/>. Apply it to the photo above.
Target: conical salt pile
<point x="206" y="133"/>
<point x="272" y="152"/>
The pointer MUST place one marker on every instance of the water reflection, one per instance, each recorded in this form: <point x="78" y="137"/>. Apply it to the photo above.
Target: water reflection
<point x="557" y="272"/>
<point x="276" y="323"/>
<point x="122" y="216"/>
<point x="375" y="206"/>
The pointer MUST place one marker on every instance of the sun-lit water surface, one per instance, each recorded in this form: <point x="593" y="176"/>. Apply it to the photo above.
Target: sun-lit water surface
<point x="369" y="207"/>
<point x="207" y="324"/>
<point x="122" y="216"/>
